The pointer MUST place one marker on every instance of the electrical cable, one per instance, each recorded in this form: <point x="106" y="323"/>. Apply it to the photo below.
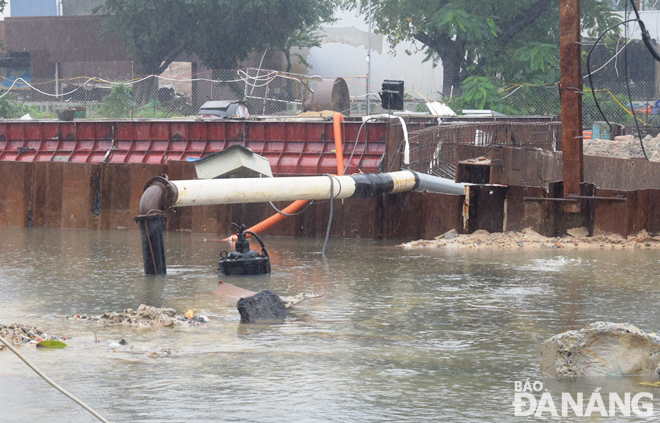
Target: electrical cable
<point x="591" y="82"/>
<point x="51" y="382"/>
<point x="259" y="81"/>
<point x="625" y="72"/>
<point x="291" y="214"/>
<point x="356" y="141"/>
<point x="332" y="197"/>
<point x="645" y="34"/>
<point x="610" y="60"/>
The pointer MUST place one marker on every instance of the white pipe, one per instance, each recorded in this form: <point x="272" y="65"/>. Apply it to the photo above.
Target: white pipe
<point x="406" y="149"/>
<point x="202" y="192"/>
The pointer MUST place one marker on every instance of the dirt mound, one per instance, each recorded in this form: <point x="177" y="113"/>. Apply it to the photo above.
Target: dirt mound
<point x="528" y="238"/>
<point x="624" y="147"/>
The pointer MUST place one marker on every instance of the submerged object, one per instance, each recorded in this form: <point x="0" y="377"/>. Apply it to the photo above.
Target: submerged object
<point x="602" y="349"/>
<point x="243" y="261"/>
<point x="263" y="306"/>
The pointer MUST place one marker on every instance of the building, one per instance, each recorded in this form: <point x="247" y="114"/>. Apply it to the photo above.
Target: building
<point x="344" y="51"/>
<point x="22" y="8"/>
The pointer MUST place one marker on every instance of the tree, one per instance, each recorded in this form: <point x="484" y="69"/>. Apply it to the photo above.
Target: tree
<point x="507" y="40"/>
<point x="304" y="38"/>
<point x="219" y="32"/>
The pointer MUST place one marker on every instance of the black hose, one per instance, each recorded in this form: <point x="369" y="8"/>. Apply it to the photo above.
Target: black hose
<point x="291" y="214"/>
<point x="591" y="83"/>
<point x="645" y="34"/>
<point x="356" y="142"/>
<point x="263" y="247"/>
<point x="625" y="71"/>
<point x="332" y="195"/>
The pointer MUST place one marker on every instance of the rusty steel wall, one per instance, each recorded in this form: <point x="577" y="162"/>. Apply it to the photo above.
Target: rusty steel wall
<point x="106" y="196"/>
<point x="537" y="168"/>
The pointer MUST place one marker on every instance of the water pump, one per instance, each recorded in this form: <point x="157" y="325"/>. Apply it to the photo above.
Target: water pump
<point x="243" y="261"/>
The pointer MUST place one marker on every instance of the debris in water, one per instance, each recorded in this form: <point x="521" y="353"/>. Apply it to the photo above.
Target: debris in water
<point x="295" y="299"/>
<point x="263" y="306"/>
<point x="18" y="334"/>
<point x="51" y="344"/>
<point x="144" y="316"/>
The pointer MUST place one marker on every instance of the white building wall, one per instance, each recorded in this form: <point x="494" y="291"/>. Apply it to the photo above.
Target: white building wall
<point x="344" y="52"/>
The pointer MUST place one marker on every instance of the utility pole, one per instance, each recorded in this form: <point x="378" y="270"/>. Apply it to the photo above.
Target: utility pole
<point x="570" y="91"/>
<point x="369" y="64"/>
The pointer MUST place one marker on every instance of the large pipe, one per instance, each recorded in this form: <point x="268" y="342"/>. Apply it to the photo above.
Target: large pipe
<point x="157" y="197"/>
<point x="160" y="194"/>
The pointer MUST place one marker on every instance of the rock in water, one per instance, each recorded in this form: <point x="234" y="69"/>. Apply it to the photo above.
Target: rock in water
<point x="265" y="305"/>
<point x="601" y="349"/>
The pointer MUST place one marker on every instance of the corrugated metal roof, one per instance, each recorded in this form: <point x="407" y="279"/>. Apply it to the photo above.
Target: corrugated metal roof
<point x="33" y="8"/>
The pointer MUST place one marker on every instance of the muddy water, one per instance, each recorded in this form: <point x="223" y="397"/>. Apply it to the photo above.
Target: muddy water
<point x="400" y="335"/>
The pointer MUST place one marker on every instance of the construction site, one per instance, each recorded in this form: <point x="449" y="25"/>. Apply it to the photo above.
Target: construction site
<point x="263" y="245"/>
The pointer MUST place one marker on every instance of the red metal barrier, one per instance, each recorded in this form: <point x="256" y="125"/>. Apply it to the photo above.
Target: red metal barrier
<point x="291" y="147"/>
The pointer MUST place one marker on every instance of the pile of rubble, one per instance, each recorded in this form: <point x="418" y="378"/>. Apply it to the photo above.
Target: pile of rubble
<point x="17" y="334"/>
<point x="144" y="316"/>
<point x="624" y="147"/>
<point x="528" y="238"/>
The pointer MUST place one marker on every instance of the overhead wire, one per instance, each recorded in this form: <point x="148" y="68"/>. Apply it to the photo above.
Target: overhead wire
<point x="625" y="71"/>
<point x="589" y="73"/>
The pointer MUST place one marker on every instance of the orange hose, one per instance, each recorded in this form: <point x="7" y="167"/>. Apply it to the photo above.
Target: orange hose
<point x="339" y="147"/>
<point x="298" y="204"/>
<point x="276" y="218"/>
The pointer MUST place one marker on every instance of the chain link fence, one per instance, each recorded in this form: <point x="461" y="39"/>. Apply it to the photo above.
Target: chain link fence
<point x="267" y="92"/>
<point x="612" y="98"/>
<point x="264" y="92"/>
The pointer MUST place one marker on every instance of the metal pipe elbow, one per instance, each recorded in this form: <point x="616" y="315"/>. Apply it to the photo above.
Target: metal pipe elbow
<point x="159" y="195"/>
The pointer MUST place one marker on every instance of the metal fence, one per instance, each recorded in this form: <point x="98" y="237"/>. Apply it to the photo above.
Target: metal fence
<point x="268" y="92"/>
<point x="612" y="98"/>
<point x="265" y="92"/>
<point x="435" y="150"/>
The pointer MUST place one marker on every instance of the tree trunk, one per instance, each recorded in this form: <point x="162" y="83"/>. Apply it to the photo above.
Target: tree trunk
<point x="452" y="55"/>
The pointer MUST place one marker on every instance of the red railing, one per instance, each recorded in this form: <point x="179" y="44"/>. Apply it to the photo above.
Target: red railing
<point x="291" y="147"/>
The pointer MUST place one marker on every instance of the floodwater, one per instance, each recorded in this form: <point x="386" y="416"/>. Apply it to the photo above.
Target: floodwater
<point x="400" y="335"/>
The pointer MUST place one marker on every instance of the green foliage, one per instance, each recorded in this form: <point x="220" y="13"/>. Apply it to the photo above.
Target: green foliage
<point x="307" y="37"/>
<point x="153" y="109"/>
<point x="118" y="104"/>
<point x="10" y="109"/>
<point x="505" y="40"/>
<point x="480" y="93"/>
<point x="219" y="32"/>
<point x="610" y="104"/>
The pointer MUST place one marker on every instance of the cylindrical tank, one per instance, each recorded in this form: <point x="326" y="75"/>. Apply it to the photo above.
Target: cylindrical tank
<point x="329" y="94"/>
